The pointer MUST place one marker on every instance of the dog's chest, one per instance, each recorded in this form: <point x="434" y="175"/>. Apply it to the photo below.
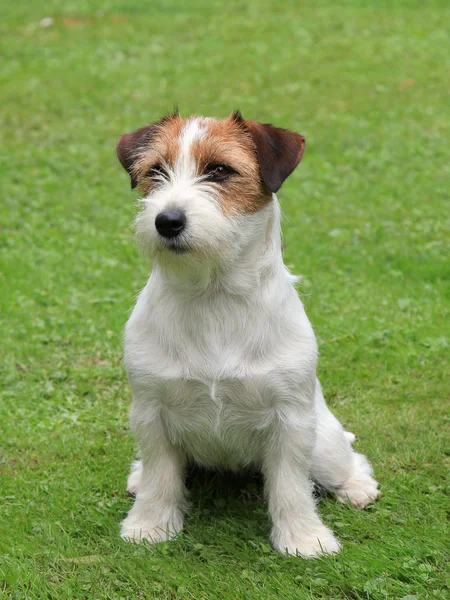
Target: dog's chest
<point x="218" y="423"/>
<point x="219" y="372"/>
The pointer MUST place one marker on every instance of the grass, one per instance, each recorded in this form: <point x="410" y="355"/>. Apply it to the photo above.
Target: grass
<point x="366" y="223"/>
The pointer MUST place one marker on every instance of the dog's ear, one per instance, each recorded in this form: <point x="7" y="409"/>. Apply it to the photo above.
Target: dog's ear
<point x="279" y="150"/>
<point x="130" y="145"/>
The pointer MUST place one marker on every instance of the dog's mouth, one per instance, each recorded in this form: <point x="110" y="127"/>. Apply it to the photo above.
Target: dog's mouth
<point x="176" y="247"/>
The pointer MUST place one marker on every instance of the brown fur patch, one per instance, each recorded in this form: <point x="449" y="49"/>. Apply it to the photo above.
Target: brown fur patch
<point x="228" y="143"/>
<point x="162" y="147"/>
<point x="260" y="155"/>
<point x="279" y="152"/>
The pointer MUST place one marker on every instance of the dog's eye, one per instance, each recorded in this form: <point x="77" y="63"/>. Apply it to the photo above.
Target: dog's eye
<point x="218" y="172"/>
<point x="157" y="172"/>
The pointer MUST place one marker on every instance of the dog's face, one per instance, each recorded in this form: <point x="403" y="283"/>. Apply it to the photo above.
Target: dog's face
<point x="205" y="183"/>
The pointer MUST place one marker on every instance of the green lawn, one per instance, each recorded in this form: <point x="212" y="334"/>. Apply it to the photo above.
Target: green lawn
<point x="366" y="223"/>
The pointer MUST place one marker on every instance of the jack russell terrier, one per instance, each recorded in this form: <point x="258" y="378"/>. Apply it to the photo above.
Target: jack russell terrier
<point x="220" y="355"/>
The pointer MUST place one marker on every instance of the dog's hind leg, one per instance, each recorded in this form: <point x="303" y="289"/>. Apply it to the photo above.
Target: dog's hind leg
<point x="335" y="465"/>
<point x="134" y="478"/>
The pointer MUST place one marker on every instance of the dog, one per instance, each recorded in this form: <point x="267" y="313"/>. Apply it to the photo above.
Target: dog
<point x="220" y="356"/>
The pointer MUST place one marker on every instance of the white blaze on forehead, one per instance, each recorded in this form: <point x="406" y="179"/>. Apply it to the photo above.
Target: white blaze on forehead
<point x="195" y="129"/>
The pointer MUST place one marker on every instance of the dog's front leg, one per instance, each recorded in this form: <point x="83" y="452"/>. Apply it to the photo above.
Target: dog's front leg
<point x="157" y="514"/>
<point x="297" y="528"/>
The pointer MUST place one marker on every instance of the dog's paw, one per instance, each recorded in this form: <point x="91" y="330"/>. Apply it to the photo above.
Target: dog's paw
<point x="359" y="491"/>
<point x="136" y="528"/>
<point x="312" y="545"/>
<point x="134" y="478"/>
<point x="350" y="436"/>
<point x="361" y="488"/>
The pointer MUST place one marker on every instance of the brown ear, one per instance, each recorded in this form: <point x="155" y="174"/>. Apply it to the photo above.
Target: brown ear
<point x="279" y="152"/>
<point x="130" y="145"/>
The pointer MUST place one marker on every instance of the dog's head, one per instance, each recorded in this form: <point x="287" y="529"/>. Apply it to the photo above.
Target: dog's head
<point x="206" y="183"/>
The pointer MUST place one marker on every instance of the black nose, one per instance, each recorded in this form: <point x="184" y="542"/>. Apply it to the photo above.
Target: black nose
<point x="170" y="223"/>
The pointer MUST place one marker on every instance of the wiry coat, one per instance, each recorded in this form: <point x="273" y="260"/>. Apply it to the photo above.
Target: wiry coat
<point x="220" y="355"/>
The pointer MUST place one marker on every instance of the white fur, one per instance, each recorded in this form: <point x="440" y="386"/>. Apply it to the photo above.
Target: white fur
<point x="221" y="360"/>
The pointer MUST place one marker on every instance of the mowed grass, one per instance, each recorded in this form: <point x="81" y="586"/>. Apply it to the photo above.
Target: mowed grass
<point x="366" y="223"/>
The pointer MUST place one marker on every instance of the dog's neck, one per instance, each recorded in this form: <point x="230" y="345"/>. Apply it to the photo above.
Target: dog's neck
<point x="256" y="264"/>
